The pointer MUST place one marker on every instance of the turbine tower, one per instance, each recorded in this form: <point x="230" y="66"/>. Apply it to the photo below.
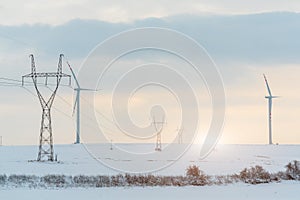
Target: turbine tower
<point x="270" y="97"/>
<point x="46" y="140"/>
<point x="77" y="104"/>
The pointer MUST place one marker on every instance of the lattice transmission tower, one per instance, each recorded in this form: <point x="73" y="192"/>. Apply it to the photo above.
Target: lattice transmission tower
<point x="46" y="139"/>
<point x="158" y="146"/>
<point x="180" y="132"/>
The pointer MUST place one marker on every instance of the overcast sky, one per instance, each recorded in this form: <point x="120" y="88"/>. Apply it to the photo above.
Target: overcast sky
<point x="245" y="39"/>
<point x="14" y="12"/>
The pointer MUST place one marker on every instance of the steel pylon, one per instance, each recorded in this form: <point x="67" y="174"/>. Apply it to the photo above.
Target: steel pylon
<point x="46" y="138"/>
<point x="158" y="146"/>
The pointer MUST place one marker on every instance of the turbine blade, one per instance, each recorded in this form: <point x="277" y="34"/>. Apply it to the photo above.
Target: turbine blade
<point x="269" y="90"/>
<point x="73" y="74"/>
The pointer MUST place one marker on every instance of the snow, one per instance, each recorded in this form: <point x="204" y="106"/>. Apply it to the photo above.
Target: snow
<point x="274" y="191"/>
<point x="75" y="160"/>
<point x="225" y="159"/>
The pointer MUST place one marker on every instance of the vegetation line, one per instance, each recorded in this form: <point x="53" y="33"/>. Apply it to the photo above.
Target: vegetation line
<point x="194" y="177"/>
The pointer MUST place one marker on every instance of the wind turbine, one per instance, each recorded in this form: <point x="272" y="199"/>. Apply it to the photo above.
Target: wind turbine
<point x="77" y="104"/>
<point x="270" y="97"/>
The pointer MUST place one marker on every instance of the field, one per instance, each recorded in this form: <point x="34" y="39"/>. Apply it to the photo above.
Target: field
<point x="272" y="191"/>
<point x="75" y="160"/>
<point x="225" y="159"/>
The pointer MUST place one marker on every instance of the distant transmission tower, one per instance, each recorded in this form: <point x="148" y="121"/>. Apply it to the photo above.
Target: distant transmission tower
<point x="111" y="144"/>
<point x="180" y="131"/>
<point x="46" y="140"/>
<point x="158" y="133"/>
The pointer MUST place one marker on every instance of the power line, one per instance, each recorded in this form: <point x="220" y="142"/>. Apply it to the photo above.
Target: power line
<point x="60" y="97"/>
<point x="63" y="99"/>
<point x="67" y="115"/>
<point x="7" y="84"/>
<point x="35" y="95"/>
<point x="3" y="83"/>
<point x="17" y="83"/>
<point x="88" y="117"/>
<point x="98" y="112"/>
<point x="27" y="83"/>
<point x="10" y="79"/>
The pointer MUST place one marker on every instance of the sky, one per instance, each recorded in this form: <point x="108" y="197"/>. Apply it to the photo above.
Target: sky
<point x="244" y="39"/>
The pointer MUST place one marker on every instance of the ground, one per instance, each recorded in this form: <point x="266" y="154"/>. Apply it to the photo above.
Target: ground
<point x="224" y="159"/>
<point x="274" y="191"/>
<point x="75" y="160"/>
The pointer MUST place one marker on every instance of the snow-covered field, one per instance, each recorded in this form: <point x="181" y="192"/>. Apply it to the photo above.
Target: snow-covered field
<point x="75" y="160"/>
<point x="275" y="191"/>
<point x="225" y="159"/>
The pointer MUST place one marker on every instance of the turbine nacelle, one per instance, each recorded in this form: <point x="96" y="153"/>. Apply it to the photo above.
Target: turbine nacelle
<point x="85" y="89"/>
<point x="271" y="97"/>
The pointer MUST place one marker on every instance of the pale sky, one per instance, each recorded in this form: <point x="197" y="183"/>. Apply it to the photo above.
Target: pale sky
<point x="244" y="38"/>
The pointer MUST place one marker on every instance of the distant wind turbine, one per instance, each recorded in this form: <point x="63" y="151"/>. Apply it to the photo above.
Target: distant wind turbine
<point x="270" y="97"/>
<point x="77" y="104"/>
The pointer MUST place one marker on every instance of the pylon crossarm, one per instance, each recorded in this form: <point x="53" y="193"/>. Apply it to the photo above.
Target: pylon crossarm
<point x="46" y="75"/>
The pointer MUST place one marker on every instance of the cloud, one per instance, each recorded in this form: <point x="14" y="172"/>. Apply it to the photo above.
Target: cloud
<point x="243" y="46"/>
<point x="266" y="37"/>
<point x="49" y="12"/>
